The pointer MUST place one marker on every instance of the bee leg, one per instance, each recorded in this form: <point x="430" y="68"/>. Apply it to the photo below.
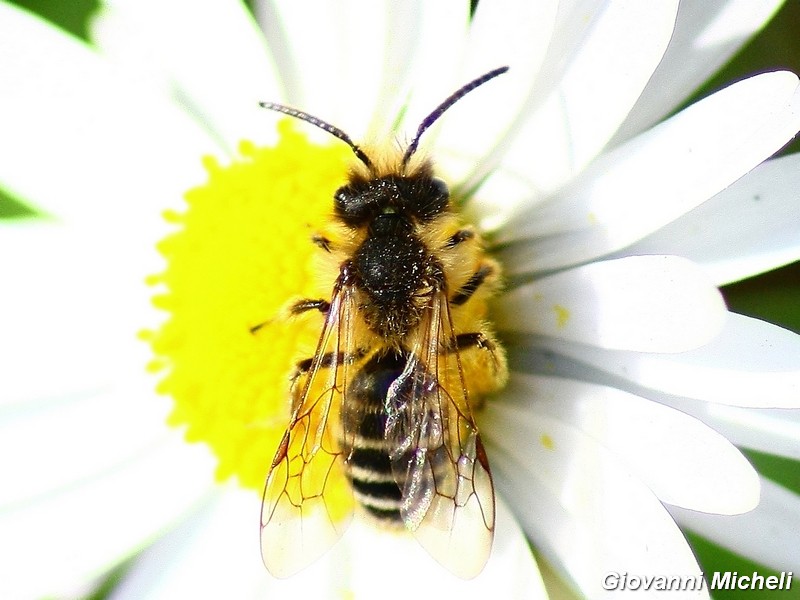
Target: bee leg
<point x="475" y="339"/>
<point x="326" y="361"/>
<point x="479" y="341"/>
<point x="478" y="278"/>
<point x="307" y="304"/>
<point x="322" y="242"/>
<point x="254" y="329"/>
<point x="466" y="342"/>
<point x="298" y="308"/>
<point x="462" y="235"/>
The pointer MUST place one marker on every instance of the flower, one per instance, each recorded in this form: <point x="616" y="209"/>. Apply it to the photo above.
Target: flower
<point x="612" y="294"/>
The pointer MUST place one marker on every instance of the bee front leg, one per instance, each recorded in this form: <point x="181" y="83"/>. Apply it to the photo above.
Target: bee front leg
<point x="298" y="308"/>
<point x="321" y="241"/>
<point x="307" y="304"/>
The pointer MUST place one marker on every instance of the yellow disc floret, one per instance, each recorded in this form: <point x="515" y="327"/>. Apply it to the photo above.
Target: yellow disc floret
<point x="241" y="249"/>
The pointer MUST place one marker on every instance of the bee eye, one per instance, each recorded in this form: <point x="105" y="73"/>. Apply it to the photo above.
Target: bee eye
<point x="433" y="199"/>
<point x="439" y="189"/>
<point x="353" y="205"/>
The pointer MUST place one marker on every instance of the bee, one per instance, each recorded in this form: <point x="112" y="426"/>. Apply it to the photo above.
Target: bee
<point x="381" y="416"/>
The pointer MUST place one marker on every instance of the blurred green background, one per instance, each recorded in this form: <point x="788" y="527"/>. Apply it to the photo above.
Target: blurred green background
<point x="773" y="296"/>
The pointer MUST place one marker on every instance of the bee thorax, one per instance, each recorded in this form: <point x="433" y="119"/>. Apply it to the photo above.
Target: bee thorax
<point x="393" y="267"/>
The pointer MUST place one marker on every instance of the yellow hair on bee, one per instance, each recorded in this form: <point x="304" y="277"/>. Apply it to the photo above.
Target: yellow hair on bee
<point x="484" y="372"/>
<point x="386" y="159"/>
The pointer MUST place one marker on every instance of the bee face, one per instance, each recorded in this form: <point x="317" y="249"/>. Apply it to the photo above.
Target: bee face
<point x="382" y="412"/>
<point x="420" y="197"/>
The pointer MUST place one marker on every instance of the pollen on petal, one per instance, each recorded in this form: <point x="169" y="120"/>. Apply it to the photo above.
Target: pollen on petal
<point x="562" y="315"/>
<point x="240" y="251"/>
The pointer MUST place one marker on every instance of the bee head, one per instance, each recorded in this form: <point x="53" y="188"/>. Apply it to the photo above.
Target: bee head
<point x="419" y="197"/>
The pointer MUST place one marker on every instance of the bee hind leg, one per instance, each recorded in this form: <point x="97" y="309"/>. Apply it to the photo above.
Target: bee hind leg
<point x="491" y="370"/>
<point x="479" y="341"/>
<point x="474" y="339"/>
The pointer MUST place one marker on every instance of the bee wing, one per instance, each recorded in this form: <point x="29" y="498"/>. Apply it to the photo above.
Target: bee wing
<point x="308" y="502"/>
<point x="439" y="460"/>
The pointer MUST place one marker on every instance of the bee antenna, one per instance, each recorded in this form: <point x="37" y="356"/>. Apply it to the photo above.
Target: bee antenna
<point x="439" y="111"/>
<point x="334" y="131"/>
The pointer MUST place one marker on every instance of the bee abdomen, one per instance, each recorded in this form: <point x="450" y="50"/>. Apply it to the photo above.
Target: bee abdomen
<point x="368" y="466"/>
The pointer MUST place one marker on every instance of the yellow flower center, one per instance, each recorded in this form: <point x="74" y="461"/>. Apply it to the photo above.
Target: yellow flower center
<point x="240" y="251"/>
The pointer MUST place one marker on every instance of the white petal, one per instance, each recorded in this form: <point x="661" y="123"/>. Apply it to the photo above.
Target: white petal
<point x="214" y="554"/>
<point x="511" y="571"/>
<point x="772" y="430"/>
<point x="645" y="303"/>
<point x="746" y="229"/>
<point x="210" y="54"/>
<point x="751" y="363"/>
<point x="72" y="305"/>
<point x="682" y="460"/>
<point x="515" y="34"/>
<point x="85" y="529"/>
<point x="71" y="439"/>
<point x="497" y="201"/>
<point x="80" y="141"/>
<point x="767" y="535"/>
<point x="597" y="80"/>
<point x="437" y="67"/>
<point x="399" y="52"/>
<point x="662" y="174"/>
<point x="335" y="58"/>
<point x="582" y="508"/>
<point x="706" y="35"/>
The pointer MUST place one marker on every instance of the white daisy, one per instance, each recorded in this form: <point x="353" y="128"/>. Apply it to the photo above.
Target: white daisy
<point x="611" y="295"/>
